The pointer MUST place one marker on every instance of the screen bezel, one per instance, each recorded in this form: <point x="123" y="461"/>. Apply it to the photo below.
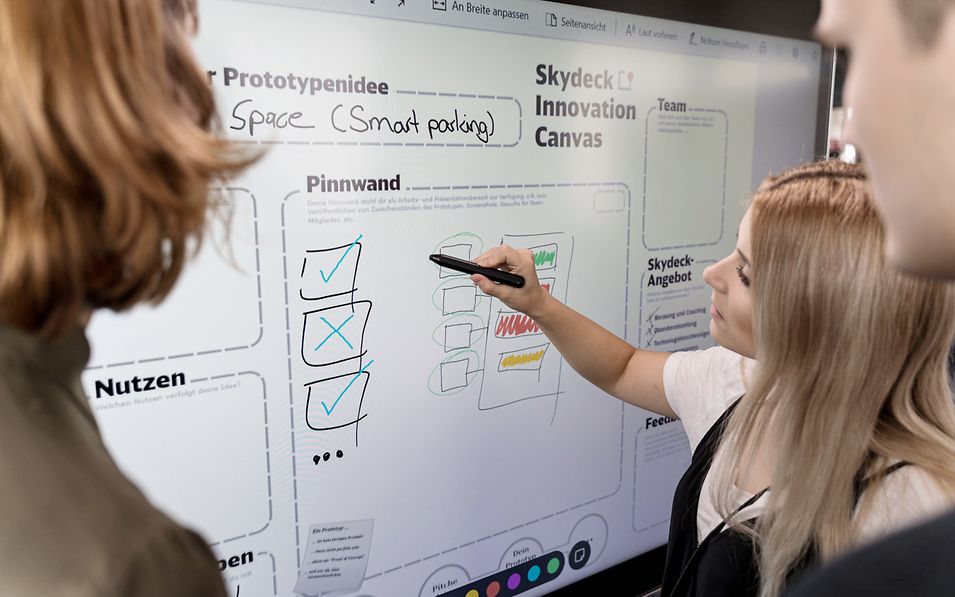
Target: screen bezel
<point x="780" y="18"/>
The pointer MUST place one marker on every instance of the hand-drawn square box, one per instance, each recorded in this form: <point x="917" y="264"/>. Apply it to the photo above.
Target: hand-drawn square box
<point x="545" y="256"/>
<point x="457" y="336"/>
<point x="454" y="374"/>
<point x="526" y="359"/>
<point x="515" y="368"/>
<point x="459" y="299"/>
<point x="329" y="273"/>
<point x="337" y="402"/>
<point x="461" y="251"/>
<point x="335" y="334"/>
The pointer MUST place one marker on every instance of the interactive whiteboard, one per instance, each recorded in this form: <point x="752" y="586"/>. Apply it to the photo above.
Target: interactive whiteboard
<point x="332" y="411"/>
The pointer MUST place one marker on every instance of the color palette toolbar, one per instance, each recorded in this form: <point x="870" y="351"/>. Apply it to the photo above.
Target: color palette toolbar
<point x="514" y="580"/>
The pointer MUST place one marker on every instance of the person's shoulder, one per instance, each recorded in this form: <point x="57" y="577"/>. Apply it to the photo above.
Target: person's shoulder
<point x="712" y="374"/>
<point x="903" y="498"/>
<point x="169" y="560"/>
<point x="913" y="562"/>
<point x="76" y="523"/>
<point x="122" y="548"/>
<point x="712" y="362"/>
<point x="700" y="385"/>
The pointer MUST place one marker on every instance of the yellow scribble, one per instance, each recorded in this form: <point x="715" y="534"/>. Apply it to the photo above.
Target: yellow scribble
<point x="515" y="360"/>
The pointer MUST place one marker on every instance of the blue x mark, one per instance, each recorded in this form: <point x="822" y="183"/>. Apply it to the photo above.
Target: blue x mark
<point x="336" y="331"/>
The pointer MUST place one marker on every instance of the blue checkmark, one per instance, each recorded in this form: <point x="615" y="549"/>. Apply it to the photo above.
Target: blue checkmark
<point x="337" y="265"/>
<point x="328" y="410"/>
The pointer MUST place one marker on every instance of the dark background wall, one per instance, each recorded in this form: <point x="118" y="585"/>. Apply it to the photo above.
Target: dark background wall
<point x="786" y="18"/>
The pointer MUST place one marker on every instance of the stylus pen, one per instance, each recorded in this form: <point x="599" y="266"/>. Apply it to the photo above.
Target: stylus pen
<point x="469" y="267"/>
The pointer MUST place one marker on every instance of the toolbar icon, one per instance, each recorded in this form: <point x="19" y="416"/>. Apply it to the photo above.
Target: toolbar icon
<point x="439" y="4"/>
<point x="625" y="80"/>
<point x="579" y="555"/>
<point x="550" y="19"/>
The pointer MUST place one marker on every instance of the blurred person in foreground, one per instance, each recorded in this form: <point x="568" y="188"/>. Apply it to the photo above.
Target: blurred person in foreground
<point x="106" y="159"/>
<point x="901" y="89"/>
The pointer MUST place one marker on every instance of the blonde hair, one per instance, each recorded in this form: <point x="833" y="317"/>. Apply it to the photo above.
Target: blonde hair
<point x="106" y="156"/>
<point x="851" y="365"/>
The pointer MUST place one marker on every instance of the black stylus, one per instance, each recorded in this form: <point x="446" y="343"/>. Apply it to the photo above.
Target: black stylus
<point x="469" y="267"/>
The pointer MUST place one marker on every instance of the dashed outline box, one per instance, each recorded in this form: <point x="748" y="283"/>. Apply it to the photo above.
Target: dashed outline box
<point x="609" y="201"/>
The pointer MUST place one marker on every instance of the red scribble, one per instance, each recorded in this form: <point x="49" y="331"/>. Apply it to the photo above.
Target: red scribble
<point x="516" y="324"/>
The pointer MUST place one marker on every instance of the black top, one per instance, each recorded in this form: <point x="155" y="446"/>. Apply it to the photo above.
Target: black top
<point x="724" y="563"/>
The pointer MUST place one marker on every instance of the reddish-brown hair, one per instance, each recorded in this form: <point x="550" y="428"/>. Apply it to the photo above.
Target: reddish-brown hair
<point x="106" y="156"/>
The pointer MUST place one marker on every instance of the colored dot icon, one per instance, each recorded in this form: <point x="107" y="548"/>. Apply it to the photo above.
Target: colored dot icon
<point x="514" y="580"/>
<point x="553" y="565"/>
